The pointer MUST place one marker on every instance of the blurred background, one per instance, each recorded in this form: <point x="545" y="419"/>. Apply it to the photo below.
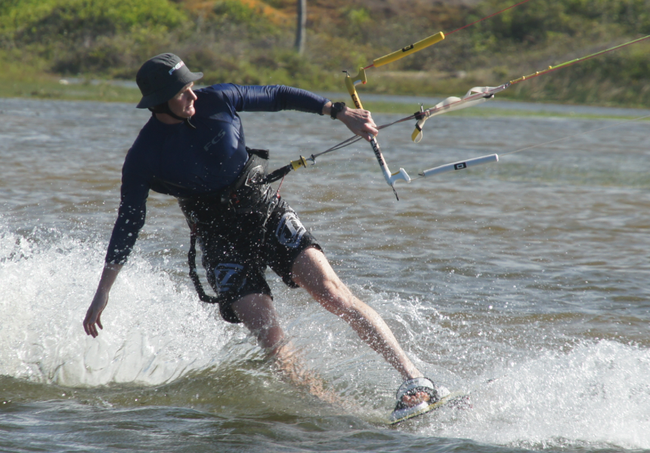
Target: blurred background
<point x="88" y="49"/>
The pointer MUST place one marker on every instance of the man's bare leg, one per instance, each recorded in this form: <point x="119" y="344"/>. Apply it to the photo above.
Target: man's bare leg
<point x="312" y="271"/>
<point x="257" y="313"/>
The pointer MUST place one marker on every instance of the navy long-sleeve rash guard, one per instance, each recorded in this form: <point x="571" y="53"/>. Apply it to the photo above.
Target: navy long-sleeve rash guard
<point x="182" y="162"/>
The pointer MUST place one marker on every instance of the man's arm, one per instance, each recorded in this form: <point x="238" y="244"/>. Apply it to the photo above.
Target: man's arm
<point x="93" y="315"/>
<point x="273" y="98"/>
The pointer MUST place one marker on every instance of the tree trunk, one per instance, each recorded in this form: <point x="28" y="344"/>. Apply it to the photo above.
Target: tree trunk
<point x="301" y="32"/>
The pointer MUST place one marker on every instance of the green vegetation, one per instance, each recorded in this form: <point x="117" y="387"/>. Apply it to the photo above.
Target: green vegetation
<point x="251" y="42"/>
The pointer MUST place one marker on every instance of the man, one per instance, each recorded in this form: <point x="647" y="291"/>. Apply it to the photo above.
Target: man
<point x="193" y="148"/>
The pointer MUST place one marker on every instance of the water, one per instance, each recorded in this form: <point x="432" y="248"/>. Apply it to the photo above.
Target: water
<point x="523" y="282"/>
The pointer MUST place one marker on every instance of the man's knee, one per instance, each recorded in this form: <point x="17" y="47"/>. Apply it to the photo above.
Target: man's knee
<point x="256" y="311"/>
<point x="312" y="270"/>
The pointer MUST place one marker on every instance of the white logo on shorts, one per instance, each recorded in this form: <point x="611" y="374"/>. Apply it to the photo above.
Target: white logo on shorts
<point x="228" y="277"/>
<point x="290" y="231"/>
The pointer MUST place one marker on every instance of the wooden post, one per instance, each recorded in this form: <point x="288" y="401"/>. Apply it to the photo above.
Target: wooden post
<point x="301" y="32"/>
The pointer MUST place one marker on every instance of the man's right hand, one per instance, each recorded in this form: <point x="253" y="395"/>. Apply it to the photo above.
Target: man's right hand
<point x="94" y="313"/>
<point x="360" y="122"/>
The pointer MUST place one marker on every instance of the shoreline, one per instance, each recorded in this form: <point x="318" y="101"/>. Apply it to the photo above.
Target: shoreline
<point x="122" y="91"/>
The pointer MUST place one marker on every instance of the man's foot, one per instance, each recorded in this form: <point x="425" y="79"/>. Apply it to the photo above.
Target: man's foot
<point x="415" y="397"/>
<point x="416" y="391"/>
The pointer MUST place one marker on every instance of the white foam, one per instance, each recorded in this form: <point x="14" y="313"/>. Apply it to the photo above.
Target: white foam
<point x="596" y="395"/>
<point x="154" y="330"/>
<point x="592" y="395"/>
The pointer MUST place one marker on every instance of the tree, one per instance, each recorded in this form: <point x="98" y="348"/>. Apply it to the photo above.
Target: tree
<point x="301" y="32"/>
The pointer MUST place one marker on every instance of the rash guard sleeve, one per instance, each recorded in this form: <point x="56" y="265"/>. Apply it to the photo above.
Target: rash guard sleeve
<point x="131" y="213"/>
<point x="272" y="98"/>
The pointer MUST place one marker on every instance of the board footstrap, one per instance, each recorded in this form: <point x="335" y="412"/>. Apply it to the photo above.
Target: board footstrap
<point x="460" y="399"/>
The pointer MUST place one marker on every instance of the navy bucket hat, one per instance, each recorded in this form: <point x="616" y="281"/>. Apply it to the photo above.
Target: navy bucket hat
<point x="161" y="77"/>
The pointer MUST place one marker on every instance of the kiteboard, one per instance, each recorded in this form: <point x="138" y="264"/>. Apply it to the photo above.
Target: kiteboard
<point x="457" y="399"/>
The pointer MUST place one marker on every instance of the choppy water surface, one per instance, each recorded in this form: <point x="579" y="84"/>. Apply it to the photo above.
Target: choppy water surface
<point x="524" y="282"/>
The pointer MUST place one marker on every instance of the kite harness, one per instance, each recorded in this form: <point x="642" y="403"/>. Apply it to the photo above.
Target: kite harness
<point x="248" y="194"/>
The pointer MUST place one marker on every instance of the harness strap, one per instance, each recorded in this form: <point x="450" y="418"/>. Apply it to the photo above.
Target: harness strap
<point x="226" y="197"/>
<point x="194" y="276"/>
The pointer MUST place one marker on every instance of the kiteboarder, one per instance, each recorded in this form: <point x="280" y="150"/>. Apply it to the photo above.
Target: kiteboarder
<point x="193" y="148"/>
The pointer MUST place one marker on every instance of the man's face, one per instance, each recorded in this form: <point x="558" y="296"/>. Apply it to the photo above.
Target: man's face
<point x="183" y="103"/>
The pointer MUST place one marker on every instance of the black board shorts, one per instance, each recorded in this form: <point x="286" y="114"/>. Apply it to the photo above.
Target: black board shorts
<point x="238" y="248"/>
